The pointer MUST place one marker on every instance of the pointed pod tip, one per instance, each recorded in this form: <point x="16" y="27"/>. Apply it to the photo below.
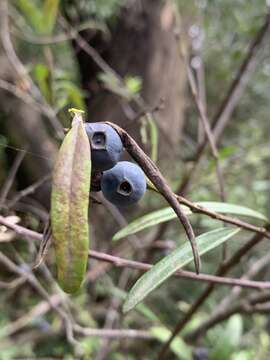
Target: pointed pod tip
<point x="75" y="111"/>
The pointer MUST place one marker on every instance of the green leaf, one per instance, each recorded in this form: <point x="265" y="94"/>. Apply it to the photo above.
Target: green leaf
<point x="226" y="340"/>
<point x="69" y="207"/>
<point x="42" y="19"/>
<point x="32" y="13"/>
<point x="50" y="10"/>
<point x="174" y="261"/>
<point x="42" y="76"/>
<point x="153" y="137"/>
<point x="167" y="214"/>
<point x="178" y="346"/>
<point x="133" y="83"/>
<point x="148" y="220"/>
<point x="69" y="92"/>
<point x="226" y="208"/>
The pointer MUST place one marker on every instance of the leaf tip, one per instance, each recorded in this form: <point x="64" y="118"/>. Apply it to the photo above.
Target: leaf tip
<point x="116" y="237"/>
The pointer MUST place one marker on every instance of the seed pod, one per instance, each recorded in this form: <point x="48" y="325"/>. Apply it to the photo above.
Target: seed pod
<point x="69" y="207"/>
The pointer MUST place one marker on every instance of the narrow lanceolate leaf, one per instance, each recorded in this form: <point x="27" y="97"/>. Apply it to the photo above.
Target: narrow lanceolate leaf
<point x="174" y="261"/>
<point x="167" y="214"/>
<point x="153" y="137"/>
<point x="69" y="207"/>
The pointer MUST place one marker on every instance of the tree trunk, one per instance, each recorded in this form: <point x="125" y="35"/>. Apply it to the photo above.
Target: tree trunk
<point x="142" y="44"/>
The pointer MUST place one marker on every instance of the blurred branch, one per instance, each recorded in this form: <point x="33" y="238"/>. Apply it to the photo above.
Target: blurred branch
<point x="24" y="270"/>
<point x="23" y="95"/>
<point x="11" y="177"/>
<point x="21" y="70"/>
<point x="255" y="303"/>
<point x="255" y="268"/>
<point x="38" y="310"/>
<point x="27" y="191"/>
<point x="227" y="302"/>
<point x="232" y="98"/>
<point x="114" y="333"/>
<point x="223" y="269"/>
<point x="13" y="284"/>
<point x="58" y="38"/>
<point x="202" y="114"/>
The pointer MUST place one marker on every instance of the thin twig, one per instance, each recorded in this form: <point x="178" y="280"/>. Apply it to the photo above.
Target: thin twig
<point x="114" y="333"/>
<point x="198" y="209"/>
<point x="202" y="114"/>
<point x="20" y="270"/>
<point x="153" y="173"/>
<point x="31" y="189"/>
<point x="120" y="262"/>
<point x="11" y="177"/>
<point x="226" y="219"/>
<point x="22" y="95"/>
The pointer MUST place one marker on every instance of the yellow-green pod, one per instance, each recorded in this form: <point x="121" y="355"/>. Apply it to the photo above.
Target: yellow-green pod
<point x="69" y="206"/>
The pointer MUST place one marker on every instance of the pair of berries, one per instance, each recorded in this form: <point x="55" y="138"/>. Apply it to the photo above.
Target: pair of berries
<point x="122" y="183"/>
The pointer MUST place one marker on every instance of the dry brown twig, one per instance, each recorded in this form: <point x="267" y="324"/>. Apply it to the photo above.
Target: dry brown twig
<point x="153" y="173"/>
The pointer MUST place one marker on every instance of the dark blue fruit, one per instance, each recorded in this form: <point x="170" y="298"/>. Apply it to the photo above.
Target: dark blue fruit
<point x="106" y="145"/>
<point x="124" y="184"/>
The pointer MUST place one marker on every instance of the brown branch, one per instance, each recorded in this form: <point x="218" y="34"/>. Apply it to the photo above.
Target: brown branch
<point x="153" y="173"/>
<point x="195" y="208"/>
<point x="120" y="262"/>
<point x="226" y="219"/>
<point x="20" y="230"/>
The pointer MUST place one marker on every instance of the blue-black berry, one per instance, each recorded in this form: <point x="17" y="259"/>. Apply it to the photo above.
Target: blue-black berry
<point x="106" y="145"/>
<point x="124" y="184"/>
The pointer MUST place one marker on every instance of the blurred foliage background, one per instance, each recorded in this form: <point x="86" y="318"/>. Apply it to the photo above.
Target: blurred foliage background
<point x="115" y="59"/>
